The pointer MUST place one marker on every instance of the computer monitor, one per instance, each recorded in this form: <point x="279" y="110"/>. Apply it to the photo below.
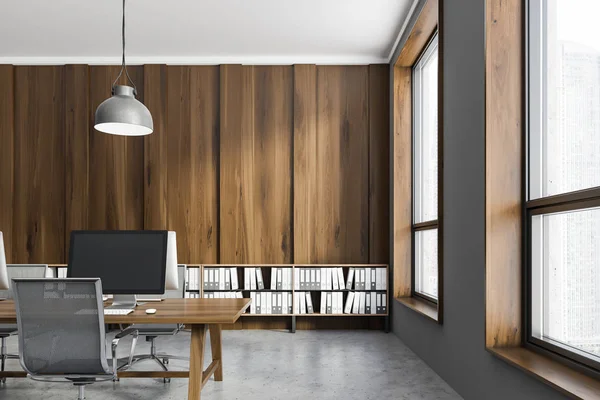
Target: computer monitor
<point x="4" y="284"/>
<point x="127" y="262"/>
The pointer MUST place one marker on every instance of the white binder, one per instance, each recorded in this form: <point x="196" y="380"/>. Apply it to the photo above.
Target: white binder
<point x="349" y="300"/>
<point x="234" y="279"/>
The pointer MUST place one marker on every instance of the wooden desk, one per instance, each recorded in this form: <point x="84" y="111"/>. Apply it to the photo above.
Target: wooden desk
<point x="200" y="314"/>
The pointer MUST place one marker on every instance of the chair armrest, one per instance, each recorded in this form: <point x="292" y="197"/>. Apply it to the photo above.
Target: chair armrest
<point x="115" y="342"/>
<point x="127" y="332"/>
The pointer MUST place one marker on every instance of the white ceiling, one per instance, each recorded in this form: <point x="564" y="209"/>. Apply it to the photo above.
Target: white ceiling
<point x="201" y="31"/>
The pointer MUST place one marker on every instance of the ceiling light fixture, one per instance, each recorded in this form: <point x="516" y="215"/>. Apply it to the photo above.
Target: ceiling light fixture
<point x="122" y="114"/>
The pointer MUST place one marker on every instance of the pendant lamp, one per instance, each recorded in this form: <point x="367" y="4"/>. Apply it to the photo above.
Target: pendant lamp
<point x="122" y="114"/>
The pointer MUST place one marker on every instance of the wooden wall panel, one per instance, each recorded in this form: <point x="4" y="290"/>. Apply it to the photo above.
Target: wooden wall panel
<point x="255" y="169"/>
<point x="77" y="125"/>
<point x="504" y="166"/>
<point x="272" y="163"/>
<point x="379" y="164"/>
<point x="193" y="161"/>
<point x="341" y="167"/>
<point x="39" y="191"/>
<point x="306" y="194"/>
<point x="155" y="163"/>
<point x="402" y="175"/>
<point x="116" y="162"/>
<point x="236" y="225"/>
<point x="7" y="156"/>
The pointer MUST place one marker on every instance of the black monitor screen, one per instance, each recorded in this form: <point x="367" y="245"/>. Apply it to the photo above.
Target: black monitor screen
<point x="127" y="262"/>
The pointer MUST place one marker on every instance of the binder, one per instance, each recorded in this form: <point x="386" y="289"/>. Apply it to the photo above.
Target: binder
<point x="318" y="284"/>
<point x="260" y="285"/>
<point x="296" y="304"/>
<point x="368" y="303"/>
<point x="246" y="279"/>
<point x="356" y="303"/>
<point x="252" y="303"/>
<point x="350" y="278"/>
<point x="340" y="276"/>
<point x="349" y="300"/>
<point x="383" y="303"/>
<point x="361" y="306"/>
<point x="309" y="304"/>
<point x="334" y="280"/>
<point x="279" y="279"/>
<point x="289" y="279"/>
<point x="302" y="301"/>
<point x="235" y="285"/>
<point x="334" y="303"/>
<point x="383" y="279"/>
<point x="258" y="308"/>
<point x="273" y="278"/>
<point x="252" y="277"/>
<point x="378" y="303"/>
<point x="205" y="276"/>
<point x="373" y="279"/>
<point x="227" y="279"/>
<point x="296" y="279"/>
<point x="329" y="307"/>
<point x="284" y="303"/>
<point x="301" y="281"/>
<point x="279" y="303"/>
<point x="289" y="302"/>
<point x="323" y="308"/>
<point x="313" y="279"/>
<point x="378" y="279"/>
<point x="341" y="303"/>
<point x="362" y="278"/>
<point x="367" y="278"/>
<point x="284" y="278"/>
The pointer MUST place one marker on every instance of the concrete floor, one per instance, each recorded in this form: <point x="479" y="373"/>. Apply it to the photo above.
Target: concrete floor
<point x="271" y="365"/>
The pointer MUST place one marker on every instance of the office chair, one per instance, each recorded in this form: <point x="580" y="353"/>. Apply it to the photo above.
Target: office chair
<point x="7" y="330"/>
<point x="61" y="331"/>
<point x="153" y="331"/>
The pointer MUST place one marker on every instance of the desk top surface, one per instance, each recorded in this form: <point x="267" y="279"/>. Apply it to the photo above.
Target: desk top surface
<point x="168" y="311"/>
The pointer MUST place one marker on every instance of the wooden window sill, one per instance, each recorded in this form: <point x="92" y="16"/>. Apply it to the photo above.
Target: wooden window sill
<point x="423" y="307"/>
<point x="559" y="376"/>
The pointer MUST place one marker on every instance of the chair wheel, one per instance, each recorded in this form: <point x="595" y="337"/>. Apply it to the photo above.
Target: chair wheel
<point x="166" y="380"/>
<point x="165" y="360"/>
<point x="3" y="380"/>
<point x="116" y="380"/>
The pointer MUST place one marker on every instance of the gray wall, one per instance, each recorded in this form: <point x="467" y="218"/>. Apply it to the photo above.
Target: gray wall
<point x="456" y="349"/>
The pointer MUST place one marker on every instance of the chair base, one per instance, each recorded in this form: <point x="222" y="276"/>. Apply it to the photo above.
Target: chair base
<point x="160" y="358"/>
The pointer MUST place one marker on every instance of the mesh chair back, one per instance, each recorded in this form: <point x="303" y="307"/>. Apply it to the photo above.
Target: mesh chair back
<point x="61" y="326"/>
<point x="22" y="271"/>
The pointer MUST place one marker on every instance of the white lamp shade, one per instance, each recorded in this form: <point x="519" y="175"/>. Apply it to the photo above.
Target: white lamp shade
<point x="123" y="115"/>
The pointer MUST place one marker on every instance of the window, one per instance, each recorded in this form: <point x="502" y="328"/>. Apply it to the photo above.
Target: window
<point x="562" y="205"/>
<point x="425" y="173"/>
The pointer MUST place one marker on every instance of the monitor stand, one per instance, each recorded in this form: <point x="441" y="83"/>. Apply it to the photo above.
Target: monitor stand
<point x="127" y="301"/>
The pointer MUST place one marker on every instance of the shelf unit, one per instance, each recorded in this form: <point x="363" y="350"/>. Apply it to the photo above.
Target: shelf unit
<point x="315" y="297"/>
<point x="314" y="292"/>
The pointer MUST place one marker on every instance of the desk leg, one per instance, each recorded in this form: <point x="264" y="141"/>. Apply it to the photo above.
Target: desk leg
<point x="215" y="346"/>
<point x="196" y="361"/>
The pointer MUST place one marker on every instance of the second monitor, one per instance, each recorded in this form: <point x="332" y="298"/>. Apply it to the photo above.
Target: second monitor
<point x="127" y="262"/>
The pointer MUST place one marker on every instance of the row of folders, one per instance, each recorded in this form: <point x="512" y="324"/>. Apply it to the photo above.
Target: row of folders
<point x="301" y="278"/>
<point x="333" y="303"/>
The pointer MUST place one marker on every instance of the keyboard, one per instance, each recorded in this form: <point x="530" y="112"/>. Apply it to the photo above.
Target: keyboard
<point x="117" y="311"/>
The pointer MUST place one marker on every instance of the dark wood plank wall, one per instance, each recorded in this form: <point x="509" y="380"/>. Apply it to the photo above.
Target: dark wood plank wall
<point x="39" y="165"/>
<point x="249" y="164"/>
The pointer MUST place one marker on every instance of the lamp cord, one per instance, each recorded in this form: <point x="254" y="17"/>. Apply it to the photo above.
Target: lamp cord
<point x="123" y="65"/>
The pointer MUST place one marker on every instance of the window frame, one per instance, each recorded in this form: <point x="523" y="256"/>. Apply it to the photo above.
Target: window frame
<point x="579" y="200"/>
<point x="425" y="54"/>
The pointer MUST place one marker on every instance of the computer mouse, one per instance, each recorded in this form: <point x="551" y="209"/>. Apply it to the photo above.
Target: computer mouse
<point x="151" y="311"/>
